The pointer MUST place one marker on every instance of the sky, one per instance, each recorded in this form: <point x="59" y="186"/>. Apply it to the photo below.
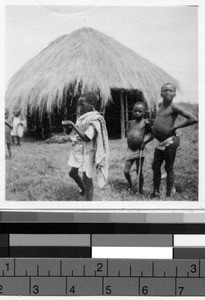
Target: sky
<point x="165" y="35"/>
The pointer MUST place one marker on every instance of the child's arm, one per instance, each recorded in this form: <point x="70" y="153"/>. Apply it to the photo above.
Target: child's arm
<point x="129" y="126"/>
<point x="79" y="131"/>
<point x="151" y="136"/>
<point x="189" y="119"/>
<point x="7" y="123"/>
<point x="147" y="141"/>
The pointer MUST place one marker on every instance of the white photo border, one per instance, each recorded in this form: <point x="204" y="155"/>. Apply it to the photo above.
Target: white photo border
<point x="112" y="206"/>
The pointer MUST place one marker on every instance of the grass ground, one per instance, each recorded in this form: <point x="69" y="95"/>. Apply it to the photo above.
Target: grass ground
<point x="39" y="172"/>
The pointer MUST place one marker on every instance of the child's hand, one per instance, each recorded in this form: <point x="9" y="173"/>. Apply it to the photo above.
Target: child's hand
<point x="142" y="146"/>
<point x="69" y="138"/>
<point x="67" y="122"/>
<point x="172" y="131"/>
<point x="99" y="166"/>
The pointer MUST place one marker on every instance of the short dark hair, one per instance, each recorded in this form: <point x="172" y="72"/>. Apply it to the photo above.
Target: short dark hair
<point x="141" y="102"/>
<point x="170" y="84"/>
<point x="17" y="112"/>
<point x="91" y="98"/>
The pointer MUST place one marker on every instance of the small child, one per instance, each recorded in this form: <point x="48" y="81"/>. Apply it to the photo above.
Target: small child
<point x="138" y="128"/>
<point x="165" y="132"/>
<point x="90" y="148"/>
<point x="17" y="120"/>
<point x="8" y="128"/>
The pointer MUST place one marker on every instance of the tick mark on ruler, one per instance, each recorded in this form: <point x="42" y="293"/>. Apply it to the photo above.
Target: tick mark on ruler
<point x="29" y="285"/>
<point x="153" y="269"/>
<point x="102" y="285"/>
<point x="60" y="267"/>
<point x="130" y="271"/>
<point x="66" y="285"/>
<point x="14" y="267"/>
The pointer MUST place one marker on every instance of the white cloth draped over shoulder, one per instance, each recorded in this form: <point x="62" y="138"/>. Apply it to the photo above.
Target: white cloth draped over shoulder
<point x="97" y="149"/>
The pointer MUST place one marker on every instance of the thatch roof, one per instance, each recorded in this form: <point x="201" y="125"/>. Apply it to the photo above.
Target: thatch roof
<point x="84" y="60"/>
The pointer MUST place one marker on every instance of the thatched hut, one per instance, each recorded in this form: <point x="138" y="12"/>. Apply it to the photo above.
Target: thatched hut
<point x="47" y="86"/>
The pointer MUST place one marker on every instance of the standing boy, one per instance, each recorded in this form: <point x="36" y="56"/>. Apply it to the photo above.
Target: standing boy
<point x="89" y="146"/>
<point x="138" y="128"/>
<point x="164" y="129"/>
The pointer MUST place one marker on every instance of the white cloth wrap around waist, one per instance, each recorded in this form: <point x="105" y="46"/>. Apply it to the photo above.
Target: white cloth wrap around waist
<point x="165" y="143"/>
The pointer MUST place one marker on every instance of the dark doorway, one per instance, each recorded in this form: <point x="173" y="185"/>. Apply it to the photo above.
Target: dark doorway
<point x="113" y="116"/>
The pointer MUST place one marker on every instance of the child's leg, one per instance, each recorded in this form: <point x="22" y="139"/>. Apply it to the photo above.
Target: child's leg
<point x="88" y="183"/>
<point x="127" y="167"/>
<point x="18" y="140"/>
<point x="170" y="154"/>
<point x="139" y="164"/>
<point x="156" y="167"/>
<point x="13" y="139"/>
<point x="9" y="149"/>
<point x="75" y="176"/>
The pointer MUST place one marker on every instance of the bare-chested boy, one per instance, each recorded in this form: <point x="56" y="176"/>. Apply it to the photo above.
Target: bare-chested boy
<point x="138" y="128"/>
<point x="164" y="130"/>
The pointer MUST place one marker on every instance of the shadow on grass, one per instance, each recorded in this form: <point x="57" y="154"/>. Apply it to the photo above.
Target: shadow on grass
<point x="68" y="193"/>
<point x="118" y="185"/>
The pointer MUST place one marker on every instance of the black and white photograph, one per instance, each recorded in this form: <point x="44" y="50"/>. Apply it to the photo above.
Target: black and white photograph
<point x="101" y="104"/>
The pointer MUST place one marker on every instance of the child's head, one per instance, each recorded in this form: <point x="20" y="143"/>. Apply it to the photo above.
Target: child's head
<point x="168" y="91"/>
<point x="87" y="102"/>
<point x="6" y="113"/>
<point x="139" y="110"/>
<point x="16" y="113"/>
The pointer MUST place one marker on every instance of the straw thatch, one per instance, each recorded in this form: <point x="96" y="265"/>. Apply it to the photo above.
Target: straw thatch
<point x="84" y="60"/>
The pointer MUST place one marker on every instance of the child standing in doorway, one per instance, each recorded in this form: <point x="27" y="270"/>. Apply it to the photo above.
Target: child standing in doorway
<point x="138" y="128"/>
<point x="164" y="129"/>
<point x="90" y="148"/>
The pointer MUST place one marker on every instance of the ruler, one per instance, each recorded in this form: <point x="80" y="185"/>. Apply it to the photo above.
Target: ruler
<point x="108" y="277"/>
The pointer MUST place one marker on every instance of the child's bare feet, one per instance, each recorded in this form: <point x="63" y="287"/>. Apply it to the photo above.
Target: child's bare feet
<point x="155" y="195"/>
<point x="131" y="190"/>
<point x="82" y="192"/>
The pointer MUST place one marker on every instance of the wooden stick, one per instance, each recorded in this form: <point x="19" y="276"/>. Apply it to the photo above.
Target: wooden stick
<point x="139" y="170"/>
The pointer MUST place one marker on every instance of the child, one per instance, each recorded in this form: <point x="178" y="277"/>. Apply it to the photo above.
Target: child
<point x="89" y="146"/>
<point x="8" y="128"/>
<point x="17" y="120"/>
<point x="135" y="140"/>
<point x="165" y="132"/>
